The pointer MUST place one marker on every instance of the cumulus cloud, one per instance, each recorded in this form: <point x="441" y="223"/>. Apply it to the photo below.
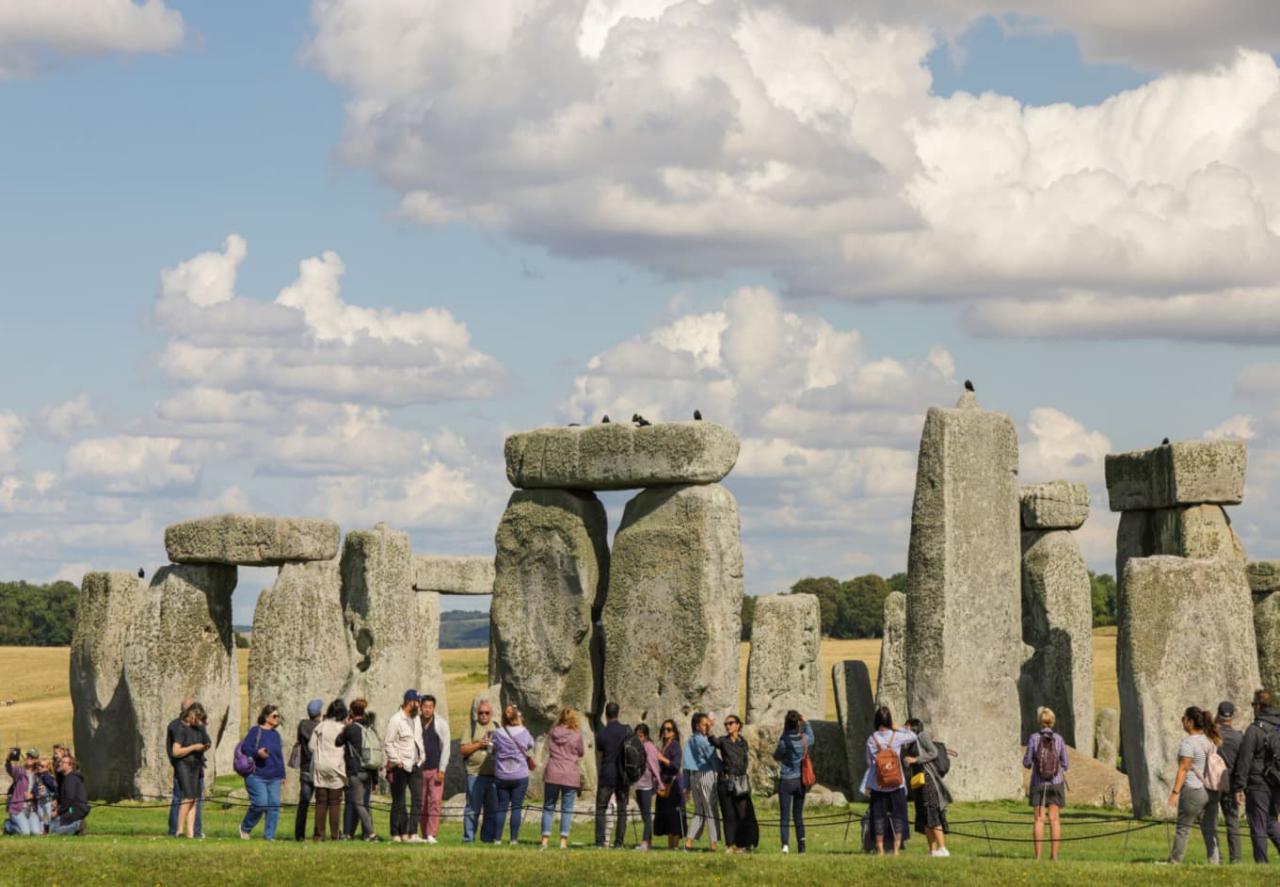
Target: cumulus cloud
<point x="63" y="421"/>
<point x="11" y="429"/>
<point x="804" y="139"/>
<point x="32" y="33"/>
<point x="1058" y="447"/>
<point x="130" y="465"/>
<point x="1235" y="427"/>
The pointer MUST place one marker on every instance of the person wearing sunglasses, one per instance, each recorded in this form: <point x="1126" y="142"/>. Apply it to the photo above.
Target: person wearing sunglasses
<point x="669" y="817"/>
<point x="733" y="790"/>
<point x="262" y="743"/>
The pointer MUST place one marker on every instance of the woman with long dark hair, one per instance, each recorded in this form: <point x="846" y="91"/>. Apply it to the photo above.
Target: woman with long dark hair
<point x="886" y="780"/>
<point x="669" y="818"/>
<point x="733" y="790"/>
<point x="187" y="753"/>
<point x="1192" y="798"/>
<point x="795" y="742"/>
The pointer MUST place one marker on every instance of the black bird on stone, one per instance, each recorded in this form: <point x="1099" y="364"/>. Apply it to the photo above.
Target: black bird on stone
<point x="604" y="421"/>
<point x="640" y="420"/>
<point x="142" y="574"/>
<point x="1165" y="442"/>
<point x="697" y="415"/>
<point x="968" y="386"/>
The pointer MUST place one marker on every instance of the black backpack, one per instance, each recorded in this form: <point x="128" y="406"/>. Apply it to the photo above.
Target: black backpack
<point x="631" y="759"/>
<point x="1270" y="753"/>
<point x="943" y="762"/>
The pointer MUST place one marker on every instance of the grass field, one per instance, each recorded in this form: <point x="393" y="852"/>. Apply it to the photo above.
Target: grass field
<point x="127" y="845"/>
<point x="36" y="681"/>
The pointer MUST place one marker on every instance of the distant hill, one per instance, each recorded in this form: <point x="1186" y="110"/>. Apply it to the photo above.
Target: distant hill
<point x="463" y="628"/>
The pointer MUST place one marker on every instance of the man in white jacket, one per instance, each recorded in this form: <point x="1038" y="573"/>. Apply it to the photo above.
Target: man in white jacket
<point x="435" y="744"/>
<point x="405" y="754"/>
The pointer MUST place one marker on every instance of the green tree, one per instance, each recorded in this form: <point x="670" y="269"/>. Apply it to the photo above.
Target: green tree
<point x="827" y="591"/>
<point x="897" y="582"/>
<point x="860" y="608"/>
<point x="37" y="615"/>
<point x="748" y="615"/>
<point x="1103" y="590"/>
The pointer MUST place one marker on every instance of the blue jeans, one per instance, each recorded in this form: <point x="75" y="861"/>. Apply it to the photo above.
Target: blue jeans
<point x="71" y="828"/>
<point x="566" y="796"/>
<point x="264" y="798"/>
<point x="791" y="794"/>
<point x="481" y="797"/>
<point x="27" y="823"/>
<point x="510" y="797"/>
<point x="176" y="802"/>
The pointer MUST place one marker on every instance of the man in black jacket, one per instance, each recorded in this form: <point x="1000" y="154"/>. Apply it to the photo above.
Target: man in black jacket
<point x="1229" y="751"/>
<point x="1249" y="781"/>
<point x="73" y="802"/>
<point x="305" y="787"/>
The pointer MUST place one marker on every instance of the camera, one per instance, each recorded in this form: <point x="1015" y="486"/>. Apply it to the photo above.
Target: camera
<point x="14" y="754"/>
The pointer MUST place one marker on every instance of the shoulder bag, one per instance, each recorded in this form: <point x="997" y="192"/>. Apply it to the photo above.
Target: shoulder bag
<point x="528" y="758"/>
<point x="243" y="764"/>
<point x="807" y="777"/>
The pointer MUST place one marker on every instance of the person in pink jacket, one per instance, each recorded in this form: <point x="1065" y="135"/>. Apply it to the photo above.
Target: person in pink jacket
<point x="562" y="778"/>
<point x="647" y="785"/>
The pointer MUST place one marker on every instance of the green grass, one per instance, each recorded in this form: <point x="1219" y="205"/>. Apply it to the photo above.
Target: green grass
<point x="127" y="845"/>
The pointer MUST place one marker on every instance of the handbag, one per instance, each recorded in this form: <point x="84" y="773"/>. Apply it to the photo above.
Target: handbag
<point x="295" y="756"/>
<point x="528" y="758"/>
<point x="807" y="777"/>
<point x="243" y="764"/>
<point x="739" y="785"/>
<point x="664" y="789"/>
<point x="918" y="781"/>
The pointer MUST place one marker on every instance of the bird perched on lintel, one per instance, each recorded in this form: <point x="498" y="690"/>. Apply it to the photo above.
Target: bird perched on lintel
<point x="640" y="420"/>
<point x="968" y="386"/>
<point x="697" y="415"/>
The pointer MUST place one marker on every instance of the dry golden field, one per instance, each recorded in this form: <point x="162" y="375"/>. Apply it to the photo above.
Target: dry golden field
<point x="35" y="678"/>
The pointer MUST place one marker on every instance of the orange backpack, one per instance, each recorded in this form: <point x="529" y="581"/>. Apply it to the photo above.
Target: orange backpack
<point x="888" y="766"/>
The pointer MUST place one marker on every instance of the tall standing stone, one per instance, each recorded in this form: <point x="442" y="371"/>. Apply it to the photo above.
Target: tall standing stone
<point x="784" y="668"/>
<point x="1264" y="581"/>
<point x="855" y="710"/>
<point x="672" y="617"/>
<point x="551" y="574"/>
<point x="103" y="727"/>
<point x="1106" y="736"/>
<point x="1057" y="623"/>
<point x="1185" y="638"/>
<point x="380" y="609"/>
<point x="180" y="644"/>
<point x="300" y="649"/>
<point x="891" y="677"/>
<point x="964" y="626"/>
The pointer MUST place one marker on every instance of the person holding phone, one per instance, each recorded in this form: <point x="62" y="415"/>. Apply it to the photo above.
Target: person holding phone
<point x="190" y="742"/>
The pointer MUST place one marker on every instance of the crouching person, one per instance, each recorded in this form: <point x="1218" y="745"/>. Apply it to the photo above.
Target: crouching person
<point x="73" y="801"/>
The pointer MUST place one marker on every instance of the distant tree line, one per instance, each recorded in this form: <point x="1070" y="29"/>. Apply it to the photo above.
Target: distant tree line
<point x="37" y="615"/>
<point x="855" y="608"/>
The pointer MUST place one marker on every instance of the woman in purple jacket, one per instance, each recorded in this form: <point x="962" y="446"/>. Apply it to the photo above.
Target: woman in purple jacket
<point x="562" y="778"/>
<point x="23" y="818"/>
<point x="512" y="744"/>
<point x="1048" y="781"/>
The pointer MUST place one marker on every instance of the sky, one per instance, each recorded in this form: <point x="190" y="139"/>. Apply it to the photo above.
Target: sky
<point x="320" y="259"/>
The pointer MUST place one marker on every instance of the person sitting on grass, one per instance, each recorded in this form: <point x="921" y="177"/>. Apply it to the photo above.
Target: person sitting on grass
<point x="73" y="801"/>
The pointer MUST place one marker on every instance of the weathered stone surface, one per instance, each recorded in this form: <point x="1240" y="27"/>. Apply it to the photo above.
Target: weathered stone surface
<point x="1106" y="736"/>
<point x="891" y="677"/>
<point x="380" y="609"/>
<point x="106" y="738"/>
<point x="856" y="711"/>
<point x="620" y="456"/>
<point x="964" y="619"/>
<point x="784" y="669"/>
<point x="1266" y="624"/>
<point x="251" y="540"/>
<point x="301" y="650"/>
<point x="1183" y="473"/>
<point x="1185" y="637"/>
<point x="672" y="617"/>
<point x="552" y="571"/>
<point x="1264" y="576"/>
<point x="830" y="760"/>
<point x="430" y="674"/>
<point x="453" y="575"/>
<point x="1197" y="531"/>
<point x="1057" y="622"/>
<point x="1058" y="505"/>
<point x="180" y="644"/>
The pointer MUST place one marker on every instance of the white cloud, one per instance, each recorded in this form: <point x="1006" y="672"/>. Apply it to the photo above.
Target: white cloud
<point x="1058" y="447"/>
<point x="208" y="278"/>
<point x="129" y="465"/>
<point x="11" y="429"/>
<point x="32" y="31"/>
<point x="803" y="139"/>
<point x="1235" y="427"/>
<point x="65" y="420"/>
<point x="73" y="573"/>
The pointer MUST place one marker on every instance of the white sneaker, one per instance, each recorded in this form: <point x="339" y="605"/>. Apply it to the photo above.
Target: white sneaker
<point x="786" y="849"/>
<point x="414" y="839"/>
<point x="396" y="839"/>
<point x="431" y="839"/>
<point x="244" y="836"/>
<point x="941" y="851"/>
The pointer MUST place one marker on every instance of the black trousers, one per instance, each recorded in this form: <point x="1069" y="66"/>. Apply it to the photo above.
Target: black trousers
<point x="1260" y="806"/>
<point x="603" y="794"/>
<point x="644" y="799"/>
<point x="403" y="782"/>
<point x="728" y="812"/>
<point x="305" y="790"/>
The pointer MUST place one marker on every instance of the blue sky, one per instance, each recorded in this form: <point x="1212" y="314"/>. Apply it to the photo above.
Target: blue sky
<point x="589" y="270"/>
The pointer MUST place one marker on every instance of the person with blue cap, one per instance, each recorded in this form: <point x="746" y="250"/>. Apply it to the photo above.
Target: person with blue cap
<point x="405" y="755"/>
<point x="302" y="754"/>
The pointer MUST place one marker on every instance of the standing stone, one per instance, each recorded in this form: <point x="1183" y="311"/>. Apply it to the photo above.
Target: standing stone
<point x="1264" y="581"/>
<point x="891" y="678"/>
<point x="380" y="609"/>
<point x="251" y="540"/>
<point x="964" y="624"/>
<point x="180" y="644"/>
<point x="855" y="710"/>
<point x="1183" y="473"/>
<point x="430" y="673"/>
<point x="102" y="723"/>
<point x="551" y="573"/>
<point x="672" y="618"/>
<point x="620" y="456"/>
<point x="224" y="751"/>
<point x="1106" y="736"/>
<point x="1057" y="622"/>
<point x="1185" y="638"/>
<point x="784" y="669"/>
<point x="300" y="649"/>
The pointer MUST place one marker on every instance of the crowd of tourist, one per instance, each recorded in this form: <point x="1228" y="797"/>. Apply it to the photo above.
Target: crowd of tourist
<point x="342" y="759"/>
